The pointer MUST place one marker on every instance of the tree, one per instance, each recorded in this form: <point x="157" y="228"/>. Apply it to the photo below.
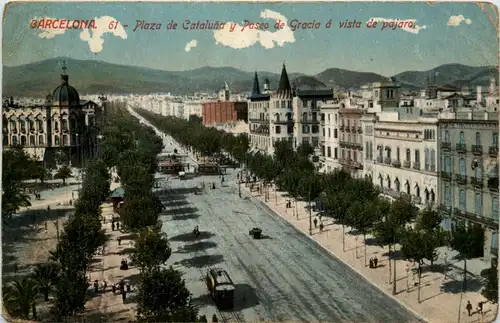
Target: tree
<point x="413" y="248"/>
<point x="163" y="297"/>
<point x="64" y="172"/>
<point x="19" y="297"/>
<point x="151" y="249"/>
<point x="45" y="276"/>
<point x="337" y="204"/>
<point x="490" y="291"/>
<point x="69" y="294"/>
<point x="61" y="157"/>
<point x="362" y="215"/>
<point x="429" y="221"/>
<point x="468" y="241"/>
<point x="140" y="211"/>
<point x="17" y="166"/>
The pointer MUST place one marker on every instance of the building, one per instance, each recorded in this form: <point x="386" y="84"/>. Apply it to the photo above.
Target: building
<point x="285" y="114"/>
<point x="61" y="123"/>
<point x="469" y="171"/>
<point x="224" y="112"/>
<point x="330" y="139"/>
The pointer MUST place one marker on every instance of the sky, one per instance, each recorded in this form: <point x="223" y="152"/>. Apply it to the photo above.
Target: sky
<point x="441" y="34"/>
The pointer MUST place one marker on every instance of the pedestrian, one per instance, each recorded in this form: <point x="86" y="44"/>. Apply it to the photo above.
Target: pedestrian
<point x="375" y="261"/>
<point x="214" y="319"/>
<point x="480" y="307"/>
<point x="72" y="195"/>
<point x="213" y="186"/>
<point x="371" y="262"/>
<point x="315" y="223"/>
<point x="96" y="286"/>
<point x="119" y="240"/>
<point x="118" y="226"/>
<point x="468" y="307"/>
<point x="124" y="296"/>
<point x="321" y="226"/>
<point x="112" y="226"/>
<point x="104" y="286"/>
<point x="45" y="226"/>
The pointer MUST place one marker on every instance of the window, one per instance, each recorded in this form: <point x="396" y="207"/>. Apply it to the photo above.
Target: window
<point x="335" y="133"/>
<point x="446" y="136"/>
<point x="329" y="132"/>
<point x="56" y="126"/>
<point x="494" y="239"/>
<point x="433" y="159"/>
<point x="427" y="158"/>
<point x="494" y="208"/>
<point x="336" y="153"/>
<point x="478" y="173"/>
<point x="447" y="196"/>
<point x="367" y="152"/>
<point x="495" y="139"/>
<point x="462" y="138"/>
<point x="278" y="129"/>
<point x="461" y="167"/>
<point x="14" y="140"/>
<point x="56" y="141"/>
<point x="397" y="154"/>
<point x="32" y="140"/>
<point x="40" y="140"/>
<point x="408" y="155"/>
<point x="398" y="185"/>
<point x="478" y="139"/>
<point x="447" y="164"/>
<point x="479" y="200"/>
<point x="23" y="141"/>
<point x="461" y="200"/>
<point x="329" y="150"/>
<point x="417" y="156"/>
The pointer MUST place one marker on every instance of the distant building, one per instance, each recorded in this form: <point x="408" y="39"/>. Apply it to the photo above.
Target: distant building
<point x="61" y="123"/>
<point x="224" y="112"/>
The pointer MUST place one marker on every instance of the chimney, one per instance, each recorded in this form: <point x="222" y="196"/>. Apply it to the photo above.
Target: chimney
<point x="479" y="97"/>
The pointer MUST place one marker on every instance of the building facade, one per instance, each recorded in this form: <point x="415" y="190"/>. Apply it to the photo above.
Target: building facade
<point x="224" y="112"/>
<point x="469" y="172"/>
<point x="62" y="123"/>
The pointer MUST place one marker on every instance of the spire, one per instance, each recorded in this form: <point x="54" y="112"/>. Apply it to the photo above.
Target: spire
<point x="284" y="85"/>
<point x="64" y="76"/>
<point x="256" y="87"/>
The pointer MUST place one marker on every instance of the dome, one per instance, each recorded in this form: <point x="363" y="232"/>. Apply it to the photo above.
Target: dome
<point x="65" y="95"/>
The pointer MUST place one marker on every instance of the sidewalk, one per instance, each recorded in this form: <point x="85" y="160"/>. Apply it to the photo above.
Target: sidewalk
<point x="435" y="305"/>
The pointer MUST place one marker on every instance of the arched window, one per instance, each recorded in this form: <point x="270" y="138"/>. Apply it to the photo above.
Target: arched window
<point x="23" y="141"/>
<point x="479" y="200"/>
<point x="398" y="185"/>
<point x="432" y="154"/>
<point x="304" y="117"/>
<point x="381" y="180"/>
<point x="41" y="140"/>
<point x="462" y="138"/>
<point x="407" y="186"/>
<point x="417" y="190"/>
<point x="433" y="134"/>
<point x="427" y="195"/>
<point x="72" y="124"/>
<point x="14" y="141"/>
<point x="447" y="164"/>
<point x="478" y="172"/>
<point x="433" y="196"/>
<point x="388" y="180"/>
<point x="478" y="139"/>
<point x="462" y="201"/>
<point x="65" y="140"/>
<point x="57" y="141"/>
<point x="447" y="196"/>
<point x="56" y="126"/>
<point x="32" y="140"/>
<point x="5" y="141"/>
<point x="408" y="155"/>
<point x="461" y="166"/>
<point x="277" y="117"/>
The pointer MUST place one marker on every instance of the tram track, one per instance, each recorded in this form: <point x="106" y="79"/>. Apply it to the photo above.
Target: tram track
<point x="226" y="316"/>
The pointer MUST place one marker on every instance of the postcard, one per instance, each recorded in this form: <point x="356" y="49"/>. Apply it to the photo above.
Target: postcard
<point x="250" y="161"/>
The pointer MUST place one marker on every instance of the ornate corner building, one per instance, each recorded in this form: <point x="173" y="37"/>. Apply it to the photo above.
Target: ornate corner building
<point x="63" y="123"/>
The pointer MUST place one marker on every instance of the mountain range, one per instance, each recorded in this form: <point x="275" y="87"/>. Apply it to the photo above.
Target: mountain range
<point x="91" y="76"/>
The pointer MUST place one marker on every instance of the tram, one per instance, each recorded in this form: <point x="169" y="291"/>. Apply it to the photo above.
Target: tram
<point x="221" y="288"/>
<point x="170" y="167"/>
<point x="209" y="169"/>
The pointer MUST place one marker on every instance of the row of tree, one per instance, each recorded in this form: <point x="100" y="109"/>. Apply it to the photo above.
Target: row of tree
<point x="162" y="295"/>
<point x="352" y="202"/>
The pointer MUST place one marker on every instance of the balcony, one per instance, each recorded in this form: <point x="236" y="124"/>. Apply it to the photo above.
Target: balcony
<point x="310" y="121"/>
<point x="493" y="151"/>
<point x="461" y="148"/>
<point x="477" y="149"/>
<point x="344" y="143"/>
<point x="477" y="182"/>
<point x="445" y="175"/>
<point x="251" y="120"/>
<point x="486" y="221"/>
<point x="396" y="163"/>
<point x="387" y="160"/>
<point x="461" y="179"/>
<point x="416" y="165"/>
<point x="407" y="164"/>
<point x="279" y="121"/>
<point x="360" y="130"/>
<point x="380" y="159"/>
<point x="357" y="145"/>
<point x="446" y="146"/>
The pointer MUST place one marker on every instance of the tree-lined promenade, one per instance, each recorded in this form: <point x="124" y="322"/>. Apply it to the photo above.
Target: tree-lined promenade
<point x="63" y="281"/>
<point x="354" y="203"/>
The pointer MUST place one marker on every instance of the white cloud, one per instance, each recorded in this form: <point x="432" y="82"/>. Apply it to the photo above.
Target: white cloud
<point x="454" y="21"/>
<point x="408" y="25"/>
<point x="192" y="44"/>
<point x="103" y="26"/>
<point x="46" y="32"/>
<point x="248" y="37"/>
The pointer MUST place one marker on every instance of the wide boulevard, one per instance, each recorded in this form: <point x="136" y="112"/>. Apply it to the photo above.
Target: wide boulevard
<point x="283" y="277"/>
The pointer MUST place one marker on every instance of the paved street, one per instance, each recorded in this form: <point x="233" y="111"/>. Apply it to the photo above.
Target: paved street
<point x="284" y="276"/>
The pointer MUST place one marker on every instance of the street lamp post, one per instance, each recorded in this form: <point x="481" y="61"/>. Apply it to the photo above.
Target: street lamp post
<point x="310" y="212"/>
<point x="356" y="238"/>
<point x="445" y="265"/>
<point x="407" y="268"/>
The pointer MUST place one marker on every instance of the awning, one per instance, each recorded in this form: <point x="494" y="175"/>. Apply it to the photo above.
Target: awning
<point x="39" y="117"/>
<point x="31" y="118"/>
<point x="22" y="118"/>
<point x="13" y="118"/>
